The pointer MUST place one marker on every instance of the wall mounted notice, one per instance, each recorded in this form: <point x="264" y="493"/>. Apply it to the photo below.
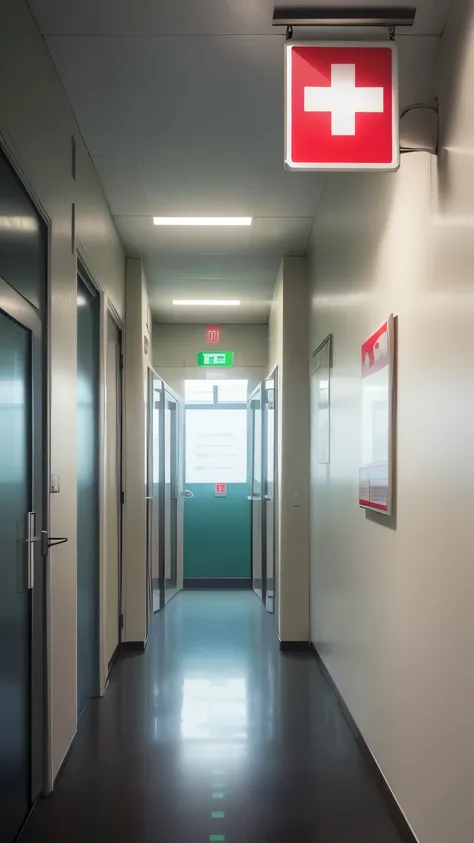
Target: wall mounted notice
<point x="320" y="399"/>
<point x="216" y="446"/>
<point x="377" y="428"/>
<point x="220" y="490"/>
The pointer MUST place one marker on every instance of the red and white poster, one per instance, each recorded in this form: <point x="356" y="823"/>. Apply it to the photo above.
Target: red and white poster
<point x="341" y="106"/>
<point x="377" y="428"/>
<point x="221" y="490"/>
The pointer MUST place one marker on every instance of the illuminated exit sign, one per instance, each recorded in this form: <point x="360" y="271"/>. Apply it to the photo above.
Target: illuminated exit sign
<point x="215" y="358"/>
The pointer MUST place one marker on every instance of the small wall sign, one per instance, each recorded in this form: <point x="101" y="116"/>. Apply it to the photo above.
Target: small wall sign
<point x="215" y="358"/>
<point x="220" y="490"/>
<point x="213" y="334"/>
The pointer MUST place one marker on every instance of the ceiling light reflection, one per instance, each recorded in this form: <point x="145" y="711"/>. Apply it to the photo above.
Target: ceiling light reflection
<point x="214" y="708"/>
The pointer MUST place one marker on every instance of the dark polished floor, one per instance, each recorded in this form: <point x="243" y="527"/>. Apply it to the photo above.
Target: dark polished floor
<point x="214" y="735"/>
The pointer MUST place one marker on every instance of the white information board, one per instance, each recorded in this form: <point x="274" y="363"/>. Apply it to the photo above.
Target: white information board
<point x="216" y="446"/>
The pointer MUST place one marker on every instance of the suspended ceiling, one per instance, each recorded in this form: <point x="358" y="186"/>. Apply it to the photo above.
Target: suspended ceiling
<point x="180" y="103"/>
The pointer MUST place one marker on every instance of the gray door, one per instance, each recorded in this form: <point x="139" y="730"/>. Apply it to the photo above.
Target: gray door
<point x="88" y="338"/>
<point x="21" y="562"/>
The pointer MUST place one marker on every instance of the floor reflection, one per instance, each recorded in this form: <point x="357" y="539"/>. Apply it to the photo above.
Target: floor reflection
<point x="214" y="708"/>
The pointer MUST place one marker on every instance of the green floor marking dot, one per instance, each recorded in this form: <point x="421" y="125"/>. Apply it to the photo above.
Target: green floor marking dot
<point x="217" y="795"/>
<point x="215" y="838"/>
<point x="217" y="815"/>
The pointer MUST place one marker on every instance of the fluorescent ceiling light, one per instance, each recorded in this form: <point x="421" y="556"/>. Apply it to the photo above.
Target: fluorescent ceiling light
<point x="206" y="303"/>
<point x="202" y="221"/>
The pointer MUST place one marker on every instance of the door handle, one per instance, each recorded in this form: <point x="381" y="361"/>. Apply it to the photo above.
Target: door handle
<point x="47" y="542"/>
<point x="30" y="541"/>
<point x="188" y="494"/>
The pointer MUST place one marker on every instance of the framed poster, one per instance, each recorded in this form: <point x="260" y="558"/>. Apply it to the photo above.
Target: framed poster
<point x="320" y="388"/>
<point x="377" y="422"/>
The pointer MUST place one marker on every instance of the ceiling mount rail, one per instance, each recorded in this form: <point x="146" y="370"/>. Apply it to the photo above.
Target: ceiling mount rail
<point x="290" y="16"/>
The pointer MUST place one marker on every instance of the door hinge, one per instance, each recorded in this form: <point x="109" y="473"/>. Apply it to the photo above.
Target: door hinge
<point x="122" y="498"/>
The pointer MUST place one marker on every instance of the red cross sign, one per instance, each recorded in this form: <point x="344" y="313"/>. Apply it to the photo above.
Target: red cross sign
<point x="341" y="106"/>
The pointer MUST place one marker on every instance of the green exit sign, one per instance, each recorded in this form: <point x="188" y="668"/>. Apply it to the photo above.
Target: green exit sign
<point x="215" y="358"/>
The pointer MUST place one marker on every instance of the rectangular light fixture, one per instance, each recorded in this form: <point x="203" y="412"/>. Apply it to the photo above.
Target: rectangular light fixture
<point x="343" y="16"/>
<point x="209" y="221"/>
<point x="206" y="303"/>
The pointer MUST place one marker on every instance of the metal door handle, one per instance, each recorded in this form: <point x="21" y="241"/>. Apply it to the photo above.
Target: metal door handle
<point x="30" y="541"/>
<point x="188" y="494"/>
<point x="149" y="498"/>
<point x="47" y="542"/>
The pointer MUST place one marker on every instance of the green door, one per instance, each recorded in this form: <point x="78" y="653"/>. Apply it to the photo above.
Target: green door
<point x="217" y="513"/>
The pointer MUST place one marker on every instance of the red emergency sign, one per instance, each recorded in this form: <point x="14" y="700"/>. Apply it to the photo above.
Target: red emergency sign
<point x="342" y="107"/>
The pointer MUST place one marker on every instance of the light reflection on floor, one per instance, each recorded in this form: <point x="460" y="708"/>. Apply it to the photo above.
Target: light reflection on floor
<point x="214" y="708"/>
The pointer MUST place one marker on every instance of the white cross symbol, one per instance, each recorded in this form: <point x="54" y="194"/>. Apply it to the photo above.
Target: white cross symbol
<point x="343" y="99"/>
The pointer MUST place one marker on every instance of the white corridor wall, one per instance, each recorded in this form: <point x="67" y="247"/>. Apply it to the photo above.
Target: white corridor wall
<point x="391" y="599"/>
<point x="36" y="129"/>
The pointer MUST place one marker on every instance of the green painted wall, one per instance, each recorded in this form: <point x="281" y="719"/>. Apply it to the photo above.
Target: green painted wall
<point x="217" y="532"/>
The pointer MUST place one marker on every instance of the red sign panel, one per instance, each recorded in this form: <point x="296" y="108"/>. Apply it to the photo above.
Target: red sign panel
<point x="342" y="107"/>
<point x="221" y="490"/>
<point x="213" y="334"/>
<point x="377" y="381"/>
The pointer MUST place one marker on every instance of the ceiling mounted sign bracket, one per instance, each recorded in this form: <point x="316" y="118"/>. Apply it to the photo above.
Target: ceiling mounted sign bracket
<point x="361" y="16"/>
<point x="289" y="33"/>
<point x="391" y="33"/>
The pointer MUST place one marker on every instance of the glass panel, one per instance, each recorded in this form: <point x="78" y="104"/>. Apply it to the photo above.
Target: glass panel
<point x="88" y="328"/>
<point x="199" y="392"/>
<point x="15" y="502"/>
<point x="270" y="437"/>
<point x="232" y="392"/>
<point x="154" y="493"/>
<point x="256" y="495"/>
<point x="171" y="499"/>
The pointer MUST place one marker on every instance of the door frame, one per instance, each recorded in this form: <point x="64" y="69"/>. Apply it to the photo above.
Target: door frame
<point x="152" y="378"/>
<point x="274" y="377"/>
<point x="107" y="309"/>
<point x="105" y="306"/>
<point x="26" y="315"/>
<point x="251" y="471"/>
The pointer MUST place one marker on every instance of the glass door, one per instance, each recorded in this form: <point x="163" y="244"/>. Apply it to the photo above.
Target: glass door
<point x="155" y="481"/>
<point x="171" y="495"/>
<point x="21" y="568"/>
<point x="270" y="488"/>
<point x="88" y="374"/>
<point x="255" y="487"/>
